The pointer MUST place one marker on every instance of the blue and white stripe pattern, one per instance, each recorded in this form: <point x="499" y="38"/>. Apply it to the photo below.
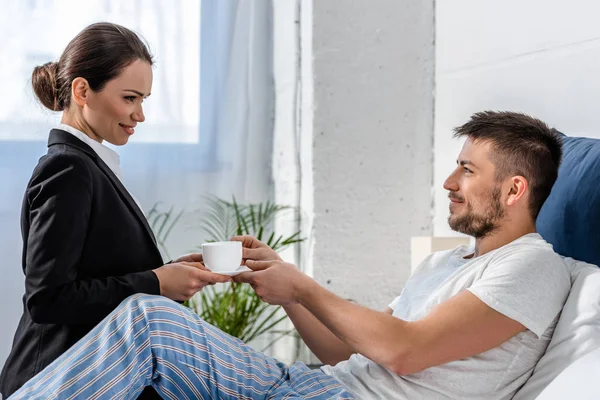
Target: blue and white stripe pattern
<point x="151" y="340"/>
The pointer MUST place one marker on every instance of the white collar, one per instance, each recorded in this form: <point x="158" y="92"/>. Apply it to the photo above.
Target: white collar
<point x="109" y="156"/>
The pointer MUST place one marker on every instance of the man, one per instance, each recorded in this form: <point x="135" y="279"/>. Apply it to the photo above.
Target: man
<point x="470" y="324"/>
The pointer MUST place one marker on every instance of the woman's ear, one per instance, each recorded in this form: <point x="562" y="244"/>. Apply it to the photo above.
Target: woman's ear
<point x="80" y="91"/>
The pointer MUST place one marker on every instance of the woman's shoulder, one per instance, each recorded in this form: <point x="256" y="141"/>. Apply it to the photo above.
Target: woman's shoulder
<point x="61" y="161"/>
<point x="63" y="154"/>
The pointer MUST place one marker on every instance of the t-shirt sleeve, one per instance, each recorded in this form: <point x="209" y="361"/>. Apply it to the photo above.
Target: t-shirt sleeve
<point x="528" y="286"/>
<point x="394" y="303"/>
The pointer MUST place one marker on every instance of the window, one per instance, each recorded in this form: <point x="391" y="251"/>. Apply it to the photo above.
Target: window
<point x="36" y="31"/>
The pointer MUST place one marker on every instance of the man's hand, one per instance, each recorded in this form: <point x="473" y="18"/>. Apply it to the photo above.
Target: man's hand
<point x="275" y="282"/>
<point x="254" y="249"/>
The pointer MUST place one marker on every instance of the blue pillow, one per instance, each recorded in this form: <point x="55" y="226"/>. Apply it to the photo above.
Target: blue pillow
<point x="570" y="217"/>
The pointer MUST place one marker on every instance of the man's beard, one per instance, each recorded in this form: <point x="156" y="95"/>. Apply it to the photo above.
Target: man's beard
<point x="479" y="225"/>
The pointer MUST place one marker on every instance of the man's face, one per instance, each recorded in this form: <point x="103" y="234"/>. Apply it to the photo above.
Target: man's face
<point x="476" y="207"/>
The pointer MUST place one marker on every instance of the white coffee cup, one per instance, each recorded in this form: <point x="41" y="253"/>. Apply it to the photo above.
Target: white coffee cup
<point x="222" y="256"/>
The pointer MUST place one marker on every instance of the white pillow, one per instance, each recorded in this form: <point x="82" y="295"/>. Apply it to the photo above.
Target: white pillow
<point x="577" y="331"/>
<point x="577" y="381"/>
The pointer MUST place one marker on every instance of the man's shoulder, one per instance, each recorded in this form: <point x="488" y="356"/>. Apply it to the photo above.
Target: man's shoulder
<point x="531" y="258"/>
<point x="527" y="248"/>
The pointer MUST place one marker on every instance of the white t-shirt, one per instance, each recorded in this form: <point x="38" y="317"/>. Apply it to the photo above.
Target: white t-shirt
<point x="524" y="280"/>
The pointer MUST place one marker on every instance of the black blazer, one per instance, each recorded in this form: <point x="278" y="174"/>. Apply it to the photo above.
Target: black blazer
<point x="86" y="247"/>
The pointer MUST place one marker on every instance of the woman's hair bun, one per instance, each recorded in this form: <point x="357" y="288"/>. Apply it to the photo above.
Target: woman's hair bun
<point x="43" y="80"/>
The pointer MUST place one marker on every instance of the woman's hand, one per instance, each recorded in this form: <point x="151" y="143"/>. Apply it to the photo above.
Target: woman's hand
<point x="192" y="258"/>
<point x="181" y="280"/>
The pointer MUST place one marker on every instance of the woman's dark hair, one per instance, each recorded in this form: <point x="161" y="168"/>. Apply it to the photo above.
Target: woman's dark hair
<point x="521" y="145"/>
<point x="98" y="54"/>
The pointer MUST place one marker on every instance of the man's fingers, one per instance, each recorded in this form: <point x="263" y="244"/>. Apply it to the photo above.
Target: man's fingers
<point x="244" y="277"/>
<point x="247" y="253"/>
<point x="249" y="241"/>
<point x="254" y="254"/>
<point x="259" y="265"/>
<point x="207" y="276"/>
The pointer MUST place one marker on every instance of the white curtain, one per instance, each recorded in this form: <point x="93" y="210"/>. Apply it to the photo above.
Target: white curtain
<point x="209" y="121"/>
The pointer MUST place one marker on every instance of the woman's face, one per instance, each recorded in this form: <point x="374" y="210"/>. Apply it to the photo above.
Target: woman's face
<point x="112" y="113"/>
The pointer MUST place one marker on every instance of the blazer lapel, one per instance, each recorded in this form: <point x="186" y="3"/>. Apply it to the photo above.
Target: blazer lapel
<point x="126" y="196"/>
<point x="58" y="136"/>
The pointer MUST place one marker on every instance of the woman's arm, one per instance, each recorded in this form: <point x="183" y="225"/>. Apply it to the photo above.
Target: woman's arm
<point x="58" y="209"/>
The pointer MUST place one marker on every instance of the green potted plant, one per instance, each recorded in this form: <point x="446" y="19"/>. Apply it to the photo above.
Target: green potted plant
<point x="162" y="224"/>
<point x="233" y="308"/>
<point x="236" y="309"/>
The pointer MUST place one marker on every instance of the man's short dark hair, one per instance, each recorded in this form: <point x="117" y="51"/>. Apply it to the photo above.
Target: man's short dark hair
<point x="521" y="145"/>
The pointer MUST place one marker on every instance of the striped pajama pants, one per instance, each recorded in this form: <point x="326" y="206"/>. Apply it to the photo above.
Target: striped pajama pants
<point x="151" y="340"/>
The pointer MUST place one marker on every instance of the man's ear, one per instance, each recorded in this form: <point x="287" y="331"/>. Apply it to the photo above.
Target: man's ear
<point x="518" y="186"/>
<point x="80" y="91"/>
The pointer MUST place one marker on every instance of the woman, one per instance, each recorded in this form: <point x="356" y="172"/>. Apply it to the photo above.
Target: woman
<point x="86" y="243"/>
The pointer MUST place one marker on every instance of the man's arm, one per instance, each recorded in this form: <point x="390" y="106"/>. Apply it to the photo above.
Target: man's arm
<point x="460" y="327"/>
<point x="321" y="341"/>
<point x="324" y="344"/>
<point x="328" y="348"/>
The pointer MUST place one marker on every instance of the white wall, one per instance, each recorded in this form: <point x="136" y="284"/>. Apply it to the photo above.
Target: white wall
<point x="288" y="19"/>
<point x="372" y="143"/>
<point x="541" y="57"/>
<point x="292" y="142"/>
